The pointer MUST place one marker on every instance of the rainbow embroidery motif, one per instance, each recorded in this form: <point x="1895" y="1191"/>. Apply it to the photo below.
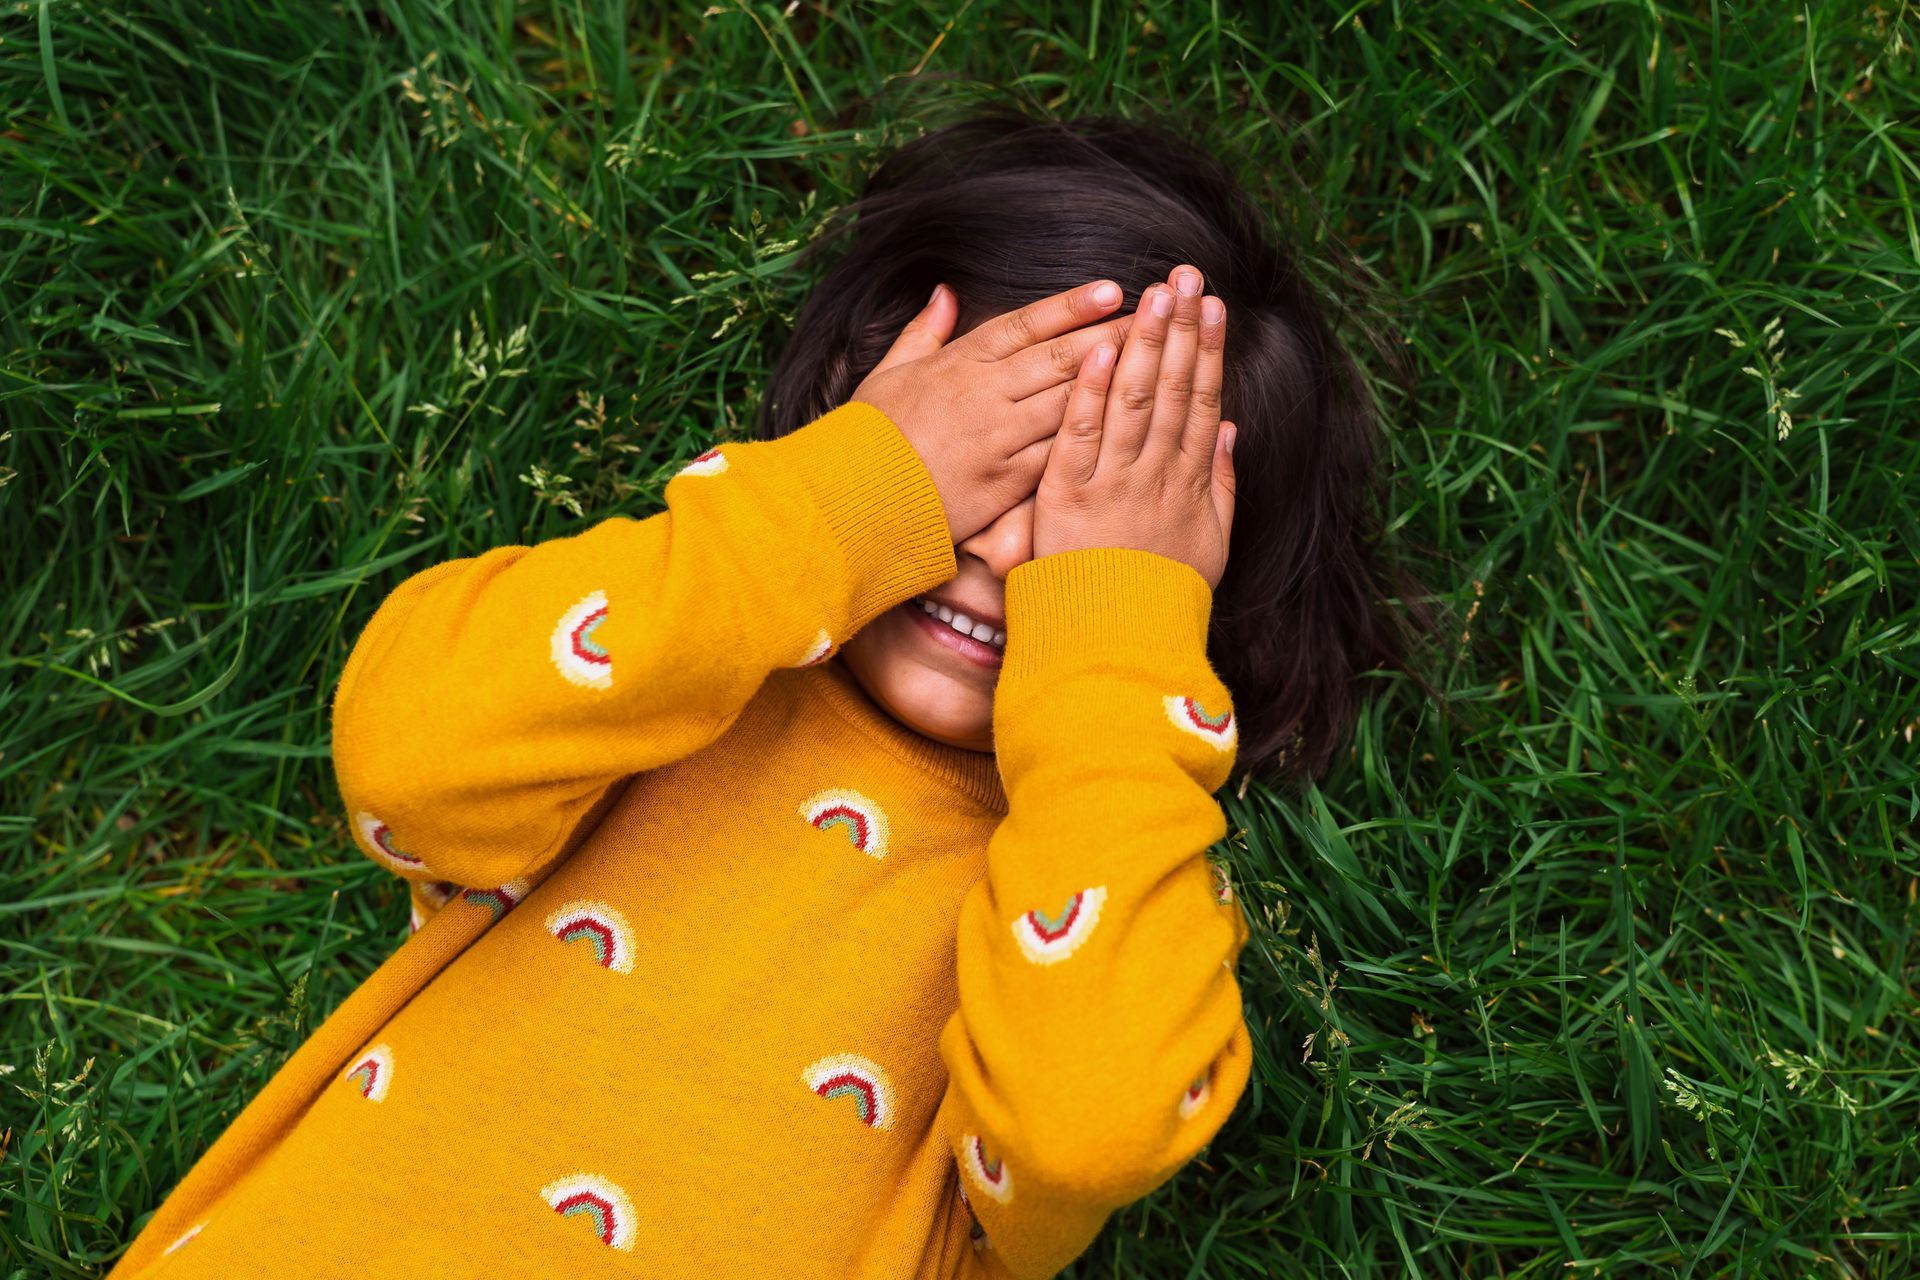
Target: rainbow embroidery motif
<point x="590" y="1196"/>
<point x="1197" y="1094"/>
<point x="373" y="1073"/>
<point x="582" y="659"/>
<point x="991" y="1176"/>
<point x="976" y="1234"/>
<point x="847" y="1075"/>
<point x="710" y="463"/>
<point x="863" y="820"/>
<point x="377" y="836"/>
<point x="821" y="651"/>
<point x="185" y="1236"/>
<point x="435" y="892"/>
<point x="604" y="929"/>
<point x="1190" y="717"/>
<point x="498" y="901"/>
<point x="1050" y="939"/>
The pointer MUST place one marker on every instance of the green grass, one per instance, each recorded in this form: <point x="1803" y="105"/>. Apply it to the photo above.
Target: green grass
<point x="1609" y="970"/>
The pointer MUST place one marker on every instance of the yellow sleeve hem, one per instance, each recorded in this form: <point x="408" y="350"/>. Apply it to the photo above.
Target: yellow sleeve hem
<point x="1104" y="603"/>
<point x="878" y="501"/>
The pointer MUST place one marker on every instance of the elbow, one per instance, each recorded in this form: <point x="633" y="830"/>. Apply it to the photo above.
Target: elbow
<point x="1110" y="1164"/>
<point x="1112" y="1145"/>
<point x="1109" y="1156"/>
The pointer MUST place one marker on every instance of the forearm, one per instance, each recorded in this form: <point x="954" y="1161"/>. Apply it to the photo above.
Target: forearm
<point x="492" y="701"/>
<point x="1100" y="1040"/>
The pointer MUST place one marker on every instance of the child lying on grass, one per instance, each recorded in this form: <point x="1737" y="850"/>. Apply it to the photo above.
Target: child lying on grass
<point x="811" y="880"/>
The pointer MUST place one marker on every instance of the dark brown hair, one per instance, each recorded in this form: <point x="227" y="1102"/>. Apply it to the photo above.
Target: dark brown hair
<point x="1007" y="209"/>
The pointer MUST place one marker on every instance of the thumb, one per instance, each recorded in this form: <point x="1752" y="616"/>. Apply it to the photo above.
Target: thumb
<point x="926" y="333"/>
<point x="1223" y="481"/>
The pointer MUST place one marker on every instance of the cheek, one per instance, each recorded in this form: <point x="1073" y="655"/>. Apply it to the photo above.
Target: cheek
<point x="890" y="662"/>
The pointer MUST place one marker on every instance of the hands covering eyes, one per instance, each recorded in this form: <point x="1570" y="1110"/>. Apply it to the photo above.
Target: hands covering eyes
<point x="1126" y="453"/>
<point x="1142" y="459"/>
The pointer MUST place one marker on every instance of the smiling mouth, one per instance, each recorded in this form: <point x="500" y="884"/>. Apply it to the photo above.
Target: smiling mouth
<point x="960" y="623"/>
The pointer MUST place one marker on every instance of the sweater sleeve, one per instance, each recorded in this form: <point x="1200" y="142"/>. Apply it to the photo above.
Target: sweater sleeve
<point x="493" y="702"/>
<point x="1099" y="1041"/>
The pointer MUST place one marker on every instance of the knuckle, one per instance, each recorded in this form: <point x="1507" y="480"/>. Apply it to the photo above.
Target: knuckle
<point x="1136" y="399"/>
<point x="1062" y="357"/>
<point x="1020" y="327"/>
<point x="1178" y="385"/>
<point x="1207" y="397"/>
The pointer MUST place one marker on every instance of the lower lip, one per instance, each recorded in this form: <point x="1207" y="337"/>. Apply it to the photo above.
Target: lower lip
<point x="966" y="646"/>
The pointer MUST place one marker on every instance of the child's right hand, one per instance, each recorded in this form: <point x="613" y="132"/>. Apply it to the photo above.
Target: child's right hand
<point x="982" y="411"/>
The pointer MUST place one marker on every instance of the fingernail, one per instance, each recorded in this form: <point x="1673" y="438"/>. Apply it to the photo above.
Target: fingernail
<point x="1211" y="311"/>
<point x="935" y="297"/>
<point x="1188" y="283"/>
<point x="1102" y="356"/>
<point x="1107" y="295"/>
<point x="1162" y="303"/>
<point x="1233" y="435"/>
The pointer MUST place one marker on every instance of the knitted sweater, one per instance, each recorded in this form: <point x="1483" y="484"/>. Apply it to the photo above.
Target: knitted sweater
<point x="720" y="969"/>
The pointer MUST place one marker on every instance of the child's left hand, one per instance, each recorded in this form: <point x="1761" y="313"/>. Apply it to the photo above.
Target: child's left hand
<point x="1142" y="459"/>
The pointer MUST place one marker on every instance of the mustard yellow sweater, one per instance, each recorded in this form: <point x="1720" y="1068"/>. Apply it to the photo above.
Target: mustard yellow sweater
<point x="719" y="969"/>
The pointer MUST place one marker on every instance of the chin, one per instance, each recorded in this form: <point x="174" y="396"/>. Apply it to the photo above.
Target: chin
<point x="955" y="708"/>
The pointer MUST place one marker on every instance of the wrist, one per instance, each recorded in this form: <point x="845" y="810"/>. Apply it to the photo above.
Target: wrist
<point x="1057" y="537"/>
<point x="1104" y="604"/>
<point x="878" y="502"/>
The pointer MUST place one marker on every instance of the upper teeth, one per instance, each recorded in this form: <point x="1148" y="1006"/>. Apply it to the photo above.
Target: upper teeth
<point x="964" y="625"/>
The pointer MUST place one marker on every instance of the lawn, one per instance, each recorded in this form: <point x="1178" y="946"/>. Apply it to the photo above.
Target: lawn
<point x="1603" y="965"/>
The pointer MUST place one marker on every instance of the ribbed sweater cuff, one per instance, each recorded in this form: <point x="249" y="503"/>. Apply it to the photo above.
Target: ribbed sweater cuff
<point x="1103" y="604"/>
<point x="880" y="504"/>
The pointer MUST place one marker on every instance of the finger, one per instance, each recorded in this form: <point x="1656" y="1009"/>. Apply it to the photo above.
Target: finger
<point x="1130" y="399"/>
<point x="1030" y="463"/>
<point x="1076" y="450"/>
<point x="1039" y="416"/>
<point x="1173" y="391"/>
<point x="926" y="333"/>
<point x="1036" y="322"/>
<point x="1056" y="363"/>
<point x="1203" y="409"/>
<point x="1224" y="481"/>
